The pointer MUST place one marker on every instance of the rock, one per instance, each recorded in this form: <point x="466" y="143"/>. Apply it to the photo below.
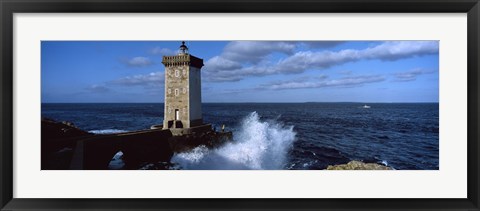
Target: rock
<point x="58" y="139"/>
<point x="53" y="130"/>
<point x="210" y="139"/>
<point x="358" y="165"/>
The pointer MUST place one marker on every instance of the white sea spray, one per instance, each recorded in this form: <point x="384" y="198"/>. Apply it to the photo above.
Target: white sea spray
<point x="116" y="162"/>
<point x="256" y="145"/>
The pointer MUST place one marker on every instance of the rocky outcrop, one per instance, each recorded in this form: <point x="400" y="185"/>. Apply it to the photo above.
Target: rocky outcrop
<point x="65" y="146"/>
<point x="58" y="142"/>
<point x="358" y="165"/>
<point x="210" y="139"/>
<point x="52" y="130"/>
<point x="137" y="147"/>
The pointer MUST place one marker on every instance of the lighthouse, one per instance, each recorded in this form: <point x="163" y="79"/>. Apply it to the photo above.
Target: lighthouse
<point x="183" y="96"/>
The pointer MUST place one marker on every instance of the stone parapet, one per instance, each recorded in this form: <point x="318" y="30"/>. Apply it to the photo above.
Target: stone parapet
<point x="179" y="60"/>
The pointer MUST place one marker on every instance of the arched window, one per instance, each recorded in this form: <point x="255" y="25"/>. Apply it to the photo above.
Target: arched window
<point x="177" y="73"/>
<point x="176" y="92"/>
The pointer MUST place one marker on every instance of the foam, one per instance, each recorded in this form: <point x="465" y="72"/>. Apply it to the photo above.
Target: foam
<point x="257" y="145"/>
<point x="117" y="162"/>
<point x="107" y="131"/>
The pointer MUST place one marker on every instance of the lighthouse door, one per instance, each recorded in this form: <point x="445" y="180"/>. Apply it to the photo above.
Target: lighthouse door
<point x="177" y="114"/>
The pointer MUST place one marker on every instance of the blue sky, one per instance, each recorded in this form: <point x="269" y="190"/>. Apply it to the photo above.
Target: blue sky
<point x="244" y="71"/>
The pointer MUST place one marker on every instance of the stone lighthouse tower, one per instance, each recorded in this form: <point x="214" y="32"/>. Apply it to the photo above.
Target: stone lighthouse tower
<point x="183" y="97"/>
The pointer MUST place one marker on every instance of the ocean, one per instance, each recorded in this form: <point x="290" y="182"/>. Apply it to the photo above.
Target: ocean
<point x="297" y="136"/>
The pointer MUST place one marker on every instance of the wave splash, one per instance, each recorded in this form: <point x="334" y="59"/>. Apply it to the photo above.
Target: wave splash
<point x="256" y="145"/>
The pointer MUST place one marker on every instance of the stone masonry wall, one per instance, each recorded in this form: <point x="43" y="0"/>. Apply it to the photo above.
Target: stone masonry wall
<point x="177" y="94"/>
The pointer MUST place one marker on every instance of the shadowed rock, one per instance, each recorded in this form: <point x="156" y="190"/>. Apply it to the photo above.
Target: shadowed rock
<point x="358" y="165"/>
<point x="64" y="146"/>
<point x="58" y="142"/>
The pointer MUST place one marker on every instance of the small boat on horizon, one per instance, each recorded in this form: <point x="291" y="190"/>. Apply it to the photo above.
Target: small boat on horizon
<point x="365" y="106"/>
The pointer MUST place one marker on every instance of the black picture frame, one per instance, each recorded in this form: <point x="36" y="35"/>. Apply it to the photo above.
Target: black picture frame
<point x="9" y="7"/>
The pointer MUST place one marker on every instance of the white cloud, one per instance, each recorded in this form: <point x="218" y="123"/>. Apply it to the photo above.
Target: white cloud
<point x="302" y="83"/>
<point x="410" y="75"/>
<point x="400" y="49"/>
<point x="387" y="51"/>
<point x="138" y="61"/>
<point x="322" y="44"/>
<point x="162" y="51"/>
<point x="255" y="51"/>
<point x="228" y="66"/>
<point x="220" y="63"/>
<point x="154" y="79"/>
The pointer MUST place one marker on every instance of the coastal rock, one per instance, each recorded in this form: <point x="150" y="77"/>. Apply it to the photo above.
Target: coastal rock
<point x="58" y="139"/>
<point x="209" y="139"/>
<point x="358" y="165"/>
<point x="52" y="130"/>
<point x="64" y="146"/>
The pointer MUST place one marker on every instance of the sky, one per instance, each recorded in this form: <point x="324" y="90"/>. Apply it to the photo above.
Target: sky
<point x="244" y="71"/>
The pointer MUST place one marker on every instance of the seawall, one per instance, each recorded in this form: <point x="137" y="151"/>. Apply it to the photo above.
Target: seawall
<point x="66" y="147"/>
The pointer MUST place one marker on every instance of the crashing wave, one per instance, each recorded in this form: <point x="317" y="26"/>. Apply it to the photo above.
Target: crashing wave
<point x="257" y="145"/>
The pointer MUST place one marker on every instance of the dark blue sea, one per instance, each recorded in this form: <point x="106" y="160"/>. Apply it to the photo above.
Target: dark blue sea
<point x="285" y="135"/>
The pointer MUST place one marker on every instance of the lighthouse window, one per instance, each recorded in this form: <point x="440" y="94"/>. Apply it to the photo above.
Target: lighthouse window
<point x="176" y="92"/>
<point x="184" y="90"/>
<point x="177" y="73"/>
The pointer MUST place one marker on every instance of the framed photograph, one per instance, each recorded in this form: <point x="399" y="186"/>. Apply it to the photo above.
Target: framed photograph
<point x="260" y="105"/>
